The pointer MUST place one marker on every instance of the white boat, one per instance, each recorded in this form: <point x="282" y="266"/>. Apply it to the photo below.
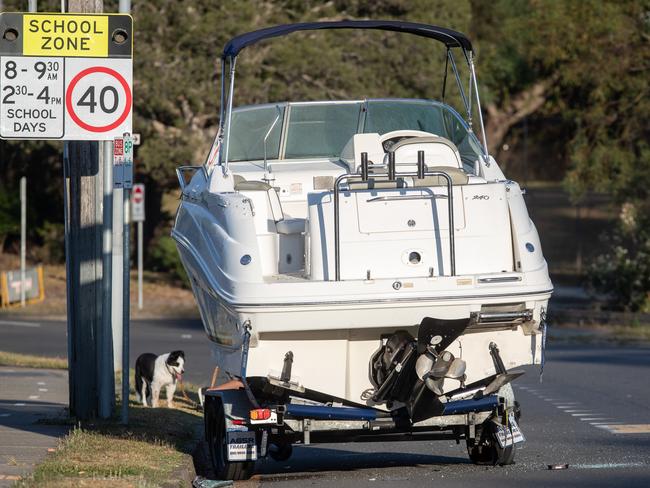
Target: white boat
<point x="371" y="250"/>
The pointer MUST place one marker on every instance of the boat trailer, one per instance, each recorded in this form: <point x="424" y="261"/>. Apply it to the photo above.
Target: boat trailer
<point x="246" y="421"/>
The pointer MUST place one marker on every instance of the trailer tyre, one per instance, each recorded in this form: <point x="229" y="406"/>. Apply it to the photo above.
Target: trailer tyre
<point x="215" y="435"/>
<point x="485" y="450"/>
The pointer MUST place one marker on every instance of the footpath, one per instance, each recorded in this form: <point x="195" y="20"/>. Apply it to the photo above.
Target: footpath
<point x="27" y="395"/>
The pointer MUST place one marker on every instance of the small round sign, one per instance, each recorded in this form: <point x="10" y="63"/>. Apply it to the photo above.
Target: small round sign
<point x="100" y="97"/>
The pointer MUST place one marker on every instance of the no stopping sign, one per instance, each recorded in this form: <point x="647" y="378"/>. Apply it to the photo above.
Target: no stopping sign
<point x="98" y="98"/>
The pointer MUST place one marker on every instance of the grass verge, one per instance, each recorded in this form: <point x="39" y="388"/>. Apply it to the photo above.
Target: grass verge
<point x="153" y="450"/>
<point x="29" y="361"/>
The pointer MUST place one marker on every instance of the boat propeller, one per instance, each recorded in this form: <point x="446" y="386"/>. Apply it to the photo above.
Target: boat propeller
<point x="433" y="367"/>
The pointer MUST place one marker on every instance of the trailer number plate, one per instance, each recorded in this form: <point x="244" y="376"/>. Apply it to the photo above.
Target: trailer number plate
<point x="242" y="446"/>
<point x="509" y="435"/>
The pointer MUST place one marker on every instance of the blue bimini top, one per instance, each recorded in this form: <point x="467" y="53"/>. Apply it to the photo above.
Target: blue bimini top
<point x="448" y="37"/>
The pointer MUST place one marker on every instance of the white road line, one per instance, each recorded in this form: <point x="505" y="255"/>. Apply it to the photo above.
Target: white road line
<point x="34" y="397"/>
<point x="19" y="404"/>
<point x="577" y="410"/>
<point x="608" y="465"/>
<point x="5" y="415"/>
<point x="19" y="324"/>
<point x="41" y="383"/>
<point x="186" y="336"/>
<point x="606" y="425"/>
<point x="43" y="389"/>
<point x="580" y="414"/>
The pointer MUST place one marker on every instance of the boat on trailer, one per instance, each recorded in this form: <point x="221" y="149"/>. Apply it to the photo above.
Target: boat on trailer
<point x="363" y="269"/>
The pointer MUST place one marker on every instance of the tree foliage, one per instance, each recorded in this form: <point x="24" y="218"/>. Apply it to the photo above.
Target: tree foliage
<point x="579" y="67"/>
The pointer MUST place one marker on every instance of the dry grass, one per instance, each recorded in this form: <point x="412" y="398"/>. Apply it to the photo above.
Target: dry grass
<point x="152" y="450"/>
<point x="29" y="361"/>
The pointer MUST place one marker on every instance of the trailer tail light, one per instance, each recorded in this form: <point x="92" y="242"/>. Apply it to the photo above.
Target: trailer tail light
<point x="238" y="422"/>
<point x="261" y="414"/>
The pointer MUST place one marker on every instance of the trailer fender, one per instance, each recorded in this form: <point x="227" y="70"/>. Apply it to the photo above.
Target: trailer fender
<point x="236" y="407"/>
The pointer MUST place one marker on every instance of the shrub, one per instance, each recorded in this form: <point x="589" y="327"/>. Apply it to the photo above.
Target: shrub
<point x="163" y="257"/>
<point x="623" y="273"/>
<point x="52" y="235"/>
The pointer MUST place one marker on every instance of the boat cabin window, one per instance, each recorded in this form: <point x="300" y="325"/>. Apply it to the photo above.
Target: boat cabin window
<point x="322" y="129"/>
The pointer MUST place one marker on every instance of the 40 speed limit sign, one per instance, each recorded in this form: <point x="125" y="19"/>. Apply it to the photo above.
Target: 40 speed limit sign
<point x="65" y="76"/>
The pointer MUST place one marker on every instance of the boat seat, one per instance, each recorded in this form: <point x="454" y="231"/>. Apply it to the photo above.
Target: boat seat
<point x="283" y="225"/>
<point x="457" y="175"/>
<point x="438" y="151"/>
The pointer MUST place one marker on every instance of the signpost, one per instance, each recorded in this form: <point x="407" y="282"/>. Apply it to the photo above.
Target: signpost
<point x="137" y="215"/>
<point x="23" y="237"/>
<point x="69" y="77"/>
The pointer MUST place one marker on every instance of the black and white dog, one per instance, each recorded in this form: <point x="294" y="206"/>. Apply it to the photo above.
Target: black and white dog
<point x="152" y="373"/>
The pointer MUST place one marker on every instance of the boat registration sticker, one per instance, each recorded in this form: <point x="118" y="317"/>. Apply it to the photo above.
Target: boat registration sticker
<point x="510" y="434"/>
<point x="241" y="446"/>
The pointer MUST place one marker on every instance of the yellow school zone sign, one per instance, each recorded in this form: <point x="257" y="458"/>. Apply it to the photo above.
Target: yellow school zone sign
<point x="65" y="35"/>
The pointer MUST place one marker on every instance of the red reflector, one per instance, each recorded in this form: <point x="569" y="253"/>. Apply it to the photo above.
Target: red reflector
<point x="238" y="422"/>
<point x="261" y="414"/>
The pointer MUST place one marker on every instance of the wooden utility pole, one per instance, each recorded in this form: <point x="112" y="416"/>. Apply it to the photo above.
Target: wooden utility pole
<point x="90" y="363"/>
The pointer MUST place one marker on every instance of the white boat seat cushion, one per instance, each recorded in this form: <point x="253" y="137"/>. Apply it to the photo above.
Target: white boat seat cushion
<point x="290" y="226"/>
<point x="458" y="177"/>
<point x="438" y="151"/>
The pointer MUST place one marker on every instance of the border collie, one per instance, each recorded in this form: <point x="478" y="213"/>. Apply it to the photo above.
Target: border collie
<point x="152" y="373"/>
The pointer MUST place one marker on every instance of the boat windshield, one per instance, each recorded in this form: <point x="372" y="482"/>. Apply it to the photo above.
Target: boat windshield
<point x="318" y="130"/>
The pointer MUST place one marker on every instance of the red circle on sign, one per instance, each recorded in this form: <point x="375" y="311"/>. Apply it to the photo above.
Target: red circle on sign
<point x="137" y="194"/>
<point x="86" y="72"/>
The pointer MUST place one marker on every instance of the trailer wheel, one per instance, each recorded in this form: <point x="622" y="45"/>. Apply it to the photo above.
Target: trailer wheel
<point x="280" y="452"/>
<point x="215" y="435"/>
<point x="485" y="449"/>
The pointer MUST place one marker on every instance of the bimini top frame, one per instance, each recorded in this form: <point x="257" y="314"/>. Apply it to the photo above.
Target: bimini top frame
<point x="450" y="38"/>
<point x="447" y="36"/>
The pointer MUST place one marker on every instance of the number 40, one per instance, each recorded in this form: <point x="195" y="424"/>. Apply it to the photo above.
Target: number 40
<point x="88" y="99"/>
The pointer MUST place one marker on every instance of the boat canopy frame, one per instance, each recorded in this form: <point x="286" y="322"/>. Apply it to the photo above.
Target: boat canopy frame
<point x="450" y="38"/>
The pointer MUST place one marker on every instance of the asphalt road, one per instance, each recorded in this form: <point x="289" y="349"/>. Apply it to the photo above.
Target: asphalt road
<point x="592" y="412"/>
<point x="48" y="338"/>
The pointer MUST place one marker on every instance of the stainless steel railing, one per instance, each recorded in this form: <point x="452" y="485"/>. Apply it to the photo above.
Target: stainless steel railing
<point x="390" y="177"/>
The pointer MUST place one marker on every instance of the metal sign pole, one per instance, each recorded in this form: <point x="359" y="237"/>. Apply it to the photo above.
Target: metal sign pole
<point x="140" y="300"/>
<point x="126" y="312"/>
<point x="23" y="236"/>
<point x="125" y="7"/>
<point x="118" y="276"/>
<point x="105" y="349"/>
